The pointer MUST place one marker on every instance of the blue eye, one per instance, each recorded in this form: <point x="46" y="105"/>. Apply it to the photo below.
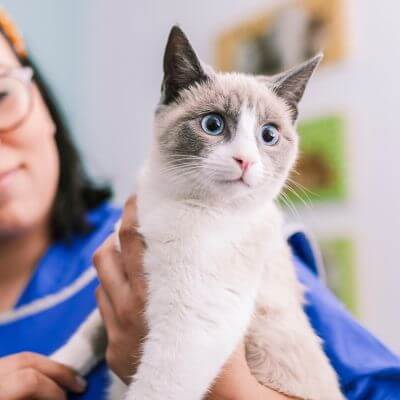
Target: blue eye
<point x="213" y="124"/>
<point x="270" y="134"/>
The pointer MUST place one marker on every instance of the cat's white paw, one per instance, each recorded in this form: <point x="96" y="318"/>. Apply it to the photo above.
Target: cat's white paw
<point x="79" y="359"/>
<point x="66" y="357"/>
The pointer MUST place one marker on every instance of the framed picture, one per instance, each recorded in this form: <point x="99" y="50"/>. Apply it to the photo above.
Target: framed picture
<point x="276" y="40"/>
<point x="320" y="172"/>
<point x="339" y="261"/>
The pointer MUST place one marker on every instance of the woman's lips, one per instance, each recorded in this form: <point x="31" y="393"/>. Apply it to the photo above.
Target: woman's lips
<point x="8" y="174"/>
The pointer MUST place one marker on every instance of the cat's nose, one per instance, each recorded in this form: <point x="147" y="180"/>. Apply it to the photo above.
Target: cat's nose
<point x="243" y="164"/>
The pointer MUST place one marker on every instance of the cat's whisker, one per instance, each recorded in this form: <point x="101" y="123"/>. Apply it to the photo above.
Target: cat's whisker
<point x="194" y="157"/>
<point x="207" y="164"/>
<point x="300" y="186"/>
<point x="204" y="168"/>
<point x="293" y="170"/>
<point x="305" y="203"/>
<point x="289" y="204"/>
<point x="180" y="168"/>
<point x="181" y="175"/>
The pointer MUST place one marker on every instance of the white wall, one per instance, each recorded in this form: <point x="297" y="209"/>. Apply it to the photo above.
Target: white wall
<point x="54" y="32"/>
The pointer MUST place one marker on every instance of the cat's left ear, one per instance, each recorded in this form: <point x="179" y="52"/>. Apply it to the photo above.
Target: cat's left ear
<point x="182" y="68"/>
<point x="291" y="85"/>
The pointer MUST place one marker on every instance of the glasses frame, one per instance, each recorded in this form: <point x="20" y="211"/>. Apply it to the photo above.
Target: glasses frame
<point x="24" y="75"/>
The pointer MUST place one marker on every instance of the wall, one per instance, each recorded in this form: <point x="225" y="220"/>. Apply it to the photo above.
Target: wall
<point x="54" y="32"/>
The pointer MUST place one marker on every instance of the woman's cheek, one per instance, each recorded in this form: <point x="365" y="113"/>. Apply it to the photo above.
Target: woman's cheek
<point x="28" y="199"/>
<point x="44" y="176"/>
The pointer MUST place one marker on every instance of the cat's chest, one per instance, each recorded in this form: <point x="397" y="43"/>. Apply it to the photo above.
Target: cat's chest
<point x="217" y="243"/>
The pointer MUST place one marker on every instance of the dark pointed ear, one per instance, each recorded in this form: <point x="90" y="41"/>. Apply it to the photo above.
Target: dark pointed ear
<point x="290" y="85"/>
<point x="182" y="68"/>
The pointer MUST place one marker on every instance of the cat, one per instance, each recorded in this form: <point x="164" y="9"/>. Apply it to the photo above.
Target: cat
<point x="217" y="264"/>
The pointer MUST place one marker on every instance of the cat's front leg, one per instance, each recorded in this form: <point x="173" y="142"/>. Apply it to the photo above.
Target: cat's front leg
<point x="188" y="343"/>
<point x="86" y="347"/>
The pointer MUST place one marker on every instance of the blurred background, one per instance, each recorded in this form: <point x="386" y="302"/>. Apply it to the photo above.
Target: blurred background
<point x="103" y="59"/>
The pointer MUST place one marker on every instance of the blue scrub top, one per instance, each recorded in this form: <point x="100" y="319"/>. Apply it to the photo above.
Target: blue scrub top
<point x="60" y="295"/>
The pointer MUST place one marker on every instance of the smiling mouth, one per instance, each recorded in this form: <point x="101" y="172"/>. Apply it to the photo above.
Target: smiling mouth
<point x="4" y="176"/>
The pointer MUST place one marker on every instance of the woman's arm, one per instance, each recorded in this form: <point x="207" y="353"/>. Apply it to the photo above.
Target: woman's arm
<point x="30" y="376"/>
<point x="121" y="299"/>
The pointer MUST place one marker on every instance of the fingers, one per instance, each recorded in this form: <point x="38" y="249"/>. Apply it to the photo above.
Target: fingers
<point x="107" y="312"/>
<point x="62" y="375"/>
<point x="121" y="273"/>
<point x="132" y="244"/>
<point x="35" y="385"/>
<point x="110" y="270"/>
<point x="129" y="215"/>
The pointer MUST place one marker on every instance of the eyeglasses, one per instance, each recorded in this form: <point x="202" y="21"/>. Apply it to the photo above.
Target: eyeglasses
<point x="15" y="97"/>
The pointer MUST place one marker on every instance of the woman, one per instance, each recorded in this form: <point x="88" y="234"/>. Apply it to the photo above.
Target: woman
<point x="52" y="219"/>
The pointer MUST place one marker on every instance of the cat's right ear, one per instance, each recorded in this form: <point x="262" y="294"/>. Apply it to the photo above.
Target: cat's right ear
<point x="182" y="68"/>
<point x="290" y="85"/>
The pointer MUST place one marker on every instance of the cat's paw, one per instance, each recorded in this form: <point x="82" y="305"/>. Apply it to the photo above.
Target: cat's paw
<point x="66" y="357"/>
<point x="79" y="360"/>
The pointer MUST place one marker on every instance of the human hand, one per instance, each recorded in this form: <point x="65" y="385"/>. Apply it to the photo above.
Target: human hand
<point x="235" y="382"/>
<point x="122" y="294"/>
<point x="29" y="376"/>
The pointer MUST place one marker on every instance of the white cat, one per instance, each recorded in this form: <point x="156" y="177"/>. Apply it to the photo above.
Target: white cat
<point x="218" y="266"/>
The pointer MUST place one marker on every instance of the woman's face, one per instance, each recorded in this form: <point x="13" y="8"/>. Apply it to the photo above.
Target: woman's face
<point x="29" y="164"/>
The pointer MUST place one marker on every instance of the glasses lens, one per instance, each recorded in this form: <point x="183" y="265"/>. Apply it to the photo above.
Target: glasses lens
<point x="14" y="102"/>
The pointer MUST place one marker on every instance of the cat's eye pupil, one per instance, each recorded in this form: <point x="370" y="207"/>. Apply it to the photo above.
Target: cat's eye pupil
<point x="270" y="134"/>
<point x="212" y="124"/>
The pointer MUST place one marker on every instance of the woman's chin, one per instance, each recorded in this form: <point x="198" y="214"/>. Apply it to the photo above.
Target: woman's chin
<point x="15" y="217"/>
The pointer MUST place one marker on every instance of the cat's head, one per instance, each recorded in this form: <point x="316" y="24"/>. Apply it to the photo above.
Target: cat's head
<point x="225" y="135"/>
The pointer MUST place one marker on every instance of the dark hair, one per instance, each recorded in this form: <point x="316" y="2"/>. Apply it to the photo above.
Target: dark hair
<point x="76" y="192"/>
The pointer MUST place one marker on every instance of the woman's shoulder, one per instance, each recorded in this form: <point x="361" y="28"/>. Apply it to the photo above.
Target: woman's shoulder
<point x="106" y="213"/>
<point x="60" y="296"/>
<point x="75" y="255"/>
<point x="68" y="262"/>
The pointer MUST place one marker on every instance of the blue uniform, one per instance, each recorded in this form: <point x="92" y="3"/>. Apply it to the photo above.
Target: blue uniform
<point x="60" y="295"/>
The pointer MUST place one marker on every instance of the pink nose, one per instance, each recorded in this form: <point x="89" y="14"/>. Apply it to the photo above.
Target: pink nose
<point x="243" y="164"/>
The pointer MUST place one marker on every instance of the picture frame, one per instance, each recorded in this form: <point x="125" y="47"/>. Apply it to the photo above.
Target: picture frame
<point x="280" y="38"/>
<point x="320" y="174"/>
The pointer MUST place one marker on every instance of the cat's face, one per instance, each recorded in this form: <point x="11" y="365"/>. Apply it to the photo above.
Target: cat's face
<point x="224" y="136"/>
